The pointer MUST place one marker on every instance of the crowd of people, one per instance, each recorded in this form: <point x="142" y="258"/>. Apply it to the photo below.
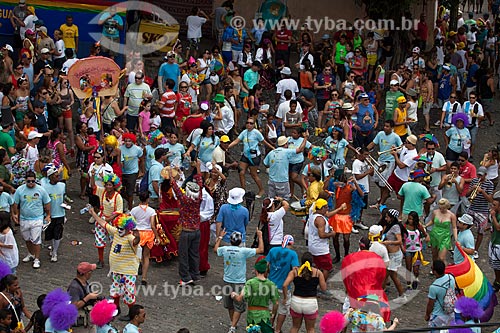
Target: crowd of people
<point x="156" y="161"/>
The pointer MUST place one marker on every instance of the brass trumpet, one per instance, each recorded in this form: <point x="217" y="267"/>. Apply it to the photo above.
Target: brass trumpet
<point x="451" y="177"/>
<point x="474" y="192"/>
<point x="390" y="150"/>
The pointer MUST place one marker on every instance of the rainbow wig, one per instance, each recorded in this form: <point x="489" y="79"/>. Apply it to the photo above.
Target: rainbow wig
<point x="129" y="136"/>
<point x="124" y="221"/>
<point x="468" y="307"/>
<point x="155" y="136"/>
<point x="54" y="298"/>
<point x="111" y="141"/>
<point x="4" y="270"/>
<point x="114" y="179"/>
<point x="63" y="316"/>
<point x="102" y="313"/>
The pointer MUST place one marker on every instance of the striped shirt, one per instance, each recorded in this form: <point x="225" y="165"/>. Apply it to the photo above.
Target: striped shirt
<point x="108" y="207"/>
<point x="122" y="257"/>
<point x="480" y="204"/>
<point x="136" y="93"/>
<point x="168" y="99"/>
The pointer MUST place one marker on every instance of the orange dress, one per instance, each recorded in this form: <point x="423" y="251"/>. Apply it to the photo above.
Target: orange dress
<point x="341" y="222"/>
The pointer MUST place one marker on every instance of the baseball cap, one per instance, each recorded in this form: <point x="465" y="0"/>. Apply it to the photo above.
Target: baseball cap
<point x="44" y="50"/>
<point x="51" y="171"/>
<point x="481" y="171"/>
<point x="224" y="139"/>
<point x="204" y="106"/>
<point x="394" y="82"/>
<point x="363" y="95"/>
<point x="33" y="135"/>
<point x="85" y="267"/>
<point x="375" y="230"/>
<point x="320" y="203"/>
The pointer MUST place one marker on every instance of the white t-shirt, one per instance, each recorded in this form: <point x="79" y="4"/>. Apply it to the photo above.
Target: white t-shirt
<point x="284" y="107"/>
<point x="156" y="121"/>
<point x="359" y="168"/>
<point x="60" y="47"/>
<point x="29" y="23"/>
<point x="67" y="65"/>
<point x="31" y="155"/>
<point x="276" y="226"/>
<point x="411" y="113"/>
<point x="185" y="78"/>
<point x="437" y="162"/>
<point x="406" y="157"/>
<point x="381" y="250"/>
<point x="98" y="172"/>
<point x="219" y="155"/>
<point x="142" y="216"/>
<point x="194" y="24"/>
<point x="227" y="121"/>
<point x="9" y="256"/>
<point x="284" y="85"/>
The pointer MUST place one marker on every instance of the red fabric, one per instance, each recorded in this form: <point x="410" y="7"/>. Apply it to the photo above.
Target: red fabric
<point x="184" y="106"/>
<point x="191" y="124"/>
<point x="422" y="31"/>
<point x="204" y="240"/>
<point x="117" y="169"/>
<point x="323" y="262"/>
<point x="395" y="182"/>
<point x="363" y="273"/>
<point x="172" y="229"/>
<point x="468" y="171"/>
<point x="281" y="36"/>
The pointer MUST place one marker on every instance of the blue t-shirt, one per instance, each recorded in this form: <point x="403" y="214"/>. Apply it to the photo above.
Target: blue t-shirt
<point x="174" y="151"/>
<point x="130" y="159"/>
<point x="150" y="156"/>
<point x="56" y="193"/>
<point x="470" y="74"/>
<point x="6" y="201"/>
<point x="338" y="150"/>
<point x="437" y="291"/>
<point x="154" y="175"/>
<point x="233" y="218"/>
<point x="110" y="27"/>
<point x="31" y="201"/>
<point x="456" y="138"/>
<point x="251" y="78"/>
<point x="294" y="144"/>
<point x="281" y="261"/>
<point x="50" y="329"/>
<point x="311" y="166"/>
<point x="170" y="71"/>
<point x="385" y="142"/>
<point x="250" y="141"/>
<point x="278" y="161"/>
<point x="235" y="262"/>
<point x="466" y="240"/>
<point x="206" y="147"/>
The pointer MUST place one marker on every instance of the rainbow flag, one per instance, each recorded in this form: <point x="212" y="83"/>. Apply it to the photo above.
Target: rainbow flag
<point x="474" y="284"/>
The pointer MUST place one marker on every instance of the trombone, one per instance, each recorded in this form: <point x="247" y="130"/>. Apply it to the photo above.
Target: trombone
<point x="474" y="192"/>
<point x="390" y="150"/>
<point x="378" y="169"/>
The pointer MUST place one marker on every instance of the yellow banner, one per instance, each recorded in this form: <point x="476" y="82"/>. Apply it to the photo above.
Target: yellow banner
<point x="157" y="34"/>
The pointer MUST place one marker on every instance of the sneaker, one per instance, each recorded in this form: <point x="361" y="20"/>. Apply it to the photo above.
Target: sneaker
<point x="53" y="257"/>
<point x="185" y="283"/>
<point x="28" y="258"/>
<point x="401" y="299"/>
<point x="414" y="285"/>
<point x="475" y="255"/>
<point x="232" y="329"/>
<point x="354" y="230"/>
<point x="36" y="263"/>
<point x="68" y="199"/>
<point x="437" y="123"/>
<point x="361" y="226"/>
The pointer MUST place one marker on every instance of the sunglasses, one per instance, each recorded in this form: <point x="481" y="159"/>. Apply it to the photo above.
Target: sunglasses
<point x="461" y="160"/>
<point x="97" y="157"/>
<point x="138" y="78"/>
<point x="170" y="57"/>
<point x="453" y="96"/>
<point x="44" y="92"/>
<point x="250" y="122"/>
<point x="30" y="181"/>
<point x="183" y="87"/>
<point x="394" y="85"/>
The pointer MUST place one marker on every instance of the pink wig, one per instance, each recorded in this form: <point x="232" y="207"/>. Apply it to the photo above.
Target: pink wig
<point x="102" y="313"/>
<point x="63" y="316"/>
<point x="54" y="298"/>
<point x="332" y="322"/>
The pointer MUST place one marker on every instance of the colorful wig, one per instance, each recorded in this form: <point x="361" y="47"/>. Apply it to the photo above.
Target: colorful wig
<point x="129" y="136"/>
<point x="155" y="135"/>
<point x="114" y="179"/>
<point x="111" y="141"/>
<point x="460" y="116"/>
<point x="318" y="152"/>
<point x="124" y="221"/>
<point x="429" y="138"/>
<point x="468" y="307"/>
<point x="332" y="322"/>
<point x="63" y="316"/>
<point x="102" y="313"/>
<point x="4" y="270"/>
<point x="54" y="298"/>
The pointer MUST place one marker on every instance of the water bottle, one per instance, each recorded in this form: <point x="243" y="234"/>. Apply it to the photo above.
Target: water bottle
<point x="85" y="210"/>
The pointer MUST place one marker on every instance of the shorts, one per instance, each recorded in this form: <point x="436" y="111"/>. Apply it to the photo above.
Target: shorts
<point x="147" y="238"/>
<point x="255" y="160"/>
<point x="451" y="155"/>
<point x="278" y="190"/>
<point x="123" y="285"/>
<point x="284" y="309"/>
<point x="341" y="224"/>
<point x="395" y="261"/>
<point x="395" y="183"/>
<point x="372" y="59"/>
<point x="302" y="307"/>
<point x="194" y="43"/>
<point x="494" y="256"/>
<point x="55" y="229"/>
<point x="67" y="114"/>
<point x="236" y="55"/>
<point x="323" y="262"/>
<point x="426" y="108"/>
<point x="128" y="182"/>
<point x="480" y="220"/>
<point x="32" y="230"/>
<point x="230" y="303"/>
<point x="295" y="167"/>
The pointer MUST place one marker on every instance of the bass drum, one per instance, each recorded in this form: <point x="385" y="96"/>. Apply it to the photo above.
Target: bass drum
<point x="297" y="209"/>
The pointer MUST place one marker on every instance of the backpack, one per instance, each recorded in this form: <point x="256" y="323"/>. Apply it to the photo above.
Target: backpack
<point x="449" y="299"/>
<point x="144" y="184"/>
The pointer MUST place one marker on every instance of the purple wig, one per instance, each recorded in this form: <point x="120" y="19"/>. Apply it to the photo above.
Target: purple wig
<point x="54" y="298"/>
<point x="4" y="270"/>
<point x="63" y="316"/>
<point x="460" y="116"/>
<point x="468" y="308"/>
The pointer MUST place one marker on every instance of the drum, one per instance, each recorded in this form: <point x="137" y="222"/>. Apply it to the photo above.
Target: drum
<point x="297" y="209"/>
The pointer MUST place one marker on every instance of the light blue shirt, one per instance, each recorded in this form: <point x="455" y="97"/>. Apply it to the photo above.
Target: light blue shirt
<point x="110" y="27"/>
<point x="154" y="175"/>
<point x="235" y="262"/>
<point x="251" y="141"/>
<point x="206" y="147"/>
<point x="385" y="142"/>
<point x="150" y="156"/>
<point x="311" y="166"/>
<point x="294" y="144"/>
<point x="251" y="78"/>
<point x="31" y="202"/>
<point x="170" y="71"/>
<point x="174" y="151"/>
<point x="131" y="328"/>
<point x="130" y="159"/>
<point x="281" y="261"/>
<point x="456" y="138"/>
<point x="56" y="193"/>
<point x="6" y="201"/>
<point x="466" y="240"/>
<point x="437" y="291"/>
<point x="233" y="218"/>
<point x="337" y="149"/>
<point x="278" y="160"/>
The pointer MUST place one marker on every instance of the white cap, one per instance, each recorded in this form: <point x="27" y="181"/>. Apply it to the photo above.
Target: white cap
<point x="286" y="71"/>
<point x="394" y="82"/>
<point x="8" y="47"/>
<point x="33" y="135"/>
<point x="236" y="196"/>
<point x="44" y="50"/>
<point x="375" y="230"/>
<point x="204" y="106"/>
<point x="214" y="79"/>
<point x="51" y="171"/>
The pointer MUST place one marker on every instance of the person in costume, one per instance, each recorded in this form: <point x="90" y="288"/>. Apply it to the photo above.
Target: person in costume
<point x="413" y="245"/>
<point x="155" y="139"/>
<point x="61" y="314"/>
<point x="11" y="296"/>
<point x="102" y="315"/>
<point x="469" y="311"/>
<point x="111" y="206"/>
<point x="444" y="222"/>
<point x="113" y="154"/>
<point x="457" y="138"/>
<point x="123" y="259"/>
